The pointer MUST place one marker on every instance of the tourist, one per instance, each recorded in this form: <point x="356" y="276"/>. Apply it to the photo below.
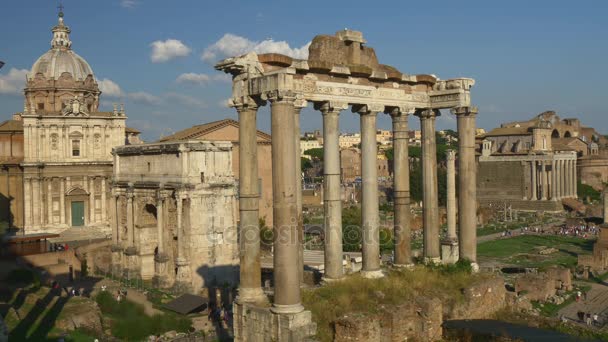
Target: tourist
<point x="580" y="315"/>
<point x="585" y="295"/>
<point x="588" y="320"/>
<point x="596" y="321"/>
<point x="578" y="296"/>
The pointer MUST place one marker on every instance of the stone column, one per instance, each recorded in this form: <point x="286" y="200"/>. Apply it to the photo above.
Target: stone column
<point x="451" y="194"/>
<point x="160" y="258"/>
<point x="250" y="289"/>
<point x="331" y="189"/>
<point x="553" y="179"/>
<point x="116" y="248"/>
<point x="533" y="176"/>
<point x="298" y="169"/>
<point x="130" y="223"/>
<point x="567" y="181"/>
<point x="558" y="178"/>
<point x="49" y="200"/>
<point x="160" y="200"/>
<point x="370" y="216"/>
<point x="27" y="202"/>
<point x="605" y="200"/>
<point x="430" y="204"/>
<point x="183" y="278"/>
<point x="574" y="179"/>
<point x="41" y="199"/>
<point x="467" y="184"/>
<point x="401" y="188"/>
<point x="544" y="180"/>
<point x="62" y="201"/>
<point x="286" y="251"/>
<point x="103" y="200"/>
<point x="91" y="200"/>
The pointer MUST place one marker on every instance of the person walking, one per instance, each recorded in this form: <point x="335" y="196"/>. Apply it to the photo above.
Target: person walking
<point x="596" y="320"/>
<point x="588" y="319"/>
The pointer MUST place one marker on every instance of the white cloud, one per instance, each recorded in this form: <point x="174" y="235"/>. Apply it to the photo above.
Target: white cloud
<point x="109" y="88"/>
<point x="232" y="45"/>
<point x="13" y="82"/>
<point x="143" y="97"/>
<point x="163" y="51"/>
<point x="186" y="100"/>
<point x="128" y="3"/>
<point x="194" y="78"/>
<point x="224" y="103"/>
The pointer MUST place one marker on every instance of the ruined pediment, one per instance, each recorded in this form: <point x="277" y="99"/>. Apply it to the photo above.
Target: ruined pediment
<point x="345" y="48"/>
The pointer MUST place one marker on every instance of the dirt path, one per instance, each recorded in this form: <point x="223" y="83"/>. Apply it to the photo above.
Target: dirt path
<point x="596" y="302"/>
<point x="132" y="295"/>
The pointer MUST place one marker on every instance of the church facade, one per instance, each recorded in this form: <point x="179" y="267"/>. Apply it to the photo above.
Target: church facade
<point x="66" y="161"/>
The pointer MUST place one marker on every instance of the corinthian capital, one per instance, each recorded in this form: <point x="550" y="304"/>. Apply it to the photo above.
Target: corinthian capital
<point x="330" y="106"/>
<point x="450" y="154"/>
<point x="468" y="111"/>
<point x="279" y="96"/>
<point x="367" y="109"/>
<point x="426" y="113"/>
<point x="246" y="103"/>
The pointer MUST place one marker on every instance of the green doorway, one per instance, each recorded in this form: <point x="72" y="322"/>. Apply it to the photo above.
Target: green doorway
<point x="77" y="214"/>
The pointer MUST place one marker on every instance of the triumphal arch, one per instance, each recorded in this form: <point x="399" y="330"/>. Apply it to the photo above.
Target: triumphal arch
<point x="340" y="72"/>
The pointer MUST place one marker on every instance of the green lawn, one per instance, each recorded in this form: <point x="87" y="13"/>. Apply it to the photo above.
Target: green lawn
<point x="520" y="250"/>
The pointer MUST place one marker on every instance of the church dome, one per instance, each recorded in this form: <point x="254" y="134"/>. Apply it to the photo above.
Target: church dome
<point x="56" y="62"/>
<point x="61" y="58"/>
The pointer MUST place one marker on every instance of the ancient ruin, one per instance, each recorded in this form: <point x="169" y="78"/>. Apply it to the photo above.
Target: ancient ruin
<point x="173" y="205"/>
<point x="340" y="72"/>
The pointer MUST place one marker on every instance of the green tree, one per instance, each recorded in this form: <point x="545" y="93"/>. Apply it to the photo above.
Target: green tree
<point x="315" y="153"/>
<point x="584" y="190"/>
<point x="351" y="229"/>
<point x="305" y="163"/>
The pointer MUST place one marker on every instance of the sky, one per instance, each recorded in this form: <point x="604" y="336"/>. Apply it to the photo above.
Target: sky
<point x="157" y="57"/>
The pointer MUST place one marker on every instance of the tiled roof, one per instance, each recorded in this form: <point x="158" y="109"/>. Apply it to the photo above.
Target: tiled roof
<point x="131" y="130"/>
<point x="11" y="126"/>
<point x="500" y="131"/>
<point x="200" y="130"/>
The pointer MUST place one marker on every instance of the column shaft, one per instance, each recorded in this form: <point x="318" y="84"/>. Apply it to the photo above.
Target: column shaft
<point x="27" y="202"/>
<point x="41" y="199"/>
<point x="286" y="251"/>
<point x="103" y="200"/>
<point x="574" y="179"/>
<point x="430" y="204"/>
<point x="114" y="221"/>
<point x="49" y="200"/>
<point x="91" y="200"/>
<point x="370" y="216"/>
<point x="467" y="183"/>
<point x="331" y="192"/>
<point x="298" y="170"/>
<point x="558" y="181"/>
<point x="250" y="289"/>
<point x="533" y="177"/>
<point x="130" y="223"/>
<point x="159" y="223"/>
<point x="62" y="201"/>
<point x="553" y="179"/>
<point x="567" y="182"/>
<point x="401" y="185"/>
<point x="180" y="233"/>
<point x="544" y="180"/>
<point x="451" y="194"/>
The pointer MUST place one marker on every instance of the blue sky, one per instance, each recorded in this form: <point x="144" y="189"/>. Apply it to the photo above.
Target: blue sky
<point x="526" y="56"/>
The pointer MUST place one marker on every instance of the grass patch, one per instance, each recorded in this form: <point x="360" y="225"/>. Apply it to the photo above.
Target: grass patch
<point x="130" y="323"/>
<point x="520" y="250"/>
<point x="357" y="294"/>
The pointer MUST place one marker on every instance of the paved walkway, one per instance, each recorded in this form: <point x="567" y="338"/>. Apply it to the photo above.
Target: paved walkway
<point x="597" y="302"/>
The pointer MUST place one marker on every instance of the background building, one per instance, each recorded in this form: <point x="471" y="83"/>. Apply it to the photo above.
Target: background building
<point x="228" y="130"/>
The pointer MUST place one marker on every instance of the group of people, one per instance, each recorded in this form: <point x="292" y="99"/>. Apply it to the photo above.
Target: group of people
<point x="588" y="318"/>
<point x="56" y="247"/>
<point x="581" y="230"/>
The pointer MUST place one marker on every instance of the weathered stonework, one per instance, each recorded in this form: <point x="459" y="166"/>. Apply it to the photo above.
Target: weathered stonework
<point x="253" y="323"/>
<point x="174" y="206"/>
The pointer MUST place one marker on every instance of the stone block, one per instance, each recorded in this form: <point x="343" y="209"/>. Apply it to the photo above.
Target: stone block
<point x="449" y="252"/>
<point x="254" y="323"/>
<point x="358" y="327"/>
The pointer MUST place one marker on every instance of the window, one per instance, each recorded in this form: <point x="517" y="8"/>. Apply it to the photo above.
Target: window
<point x="40" y="105"/>
<point x="149" y="167"/>
<point x="75" y="148"/>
